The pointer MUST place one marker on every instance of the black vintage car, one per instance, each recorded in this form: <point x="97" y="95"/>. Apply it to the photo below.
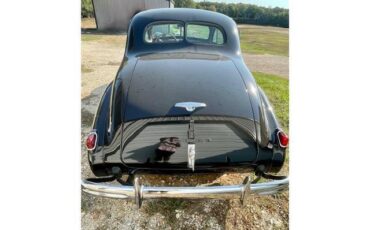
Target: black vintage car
<point x="183" y="101"/>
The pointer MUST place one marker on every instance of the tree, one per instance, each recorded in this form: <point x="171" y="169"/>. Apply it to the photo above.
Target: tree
<point x="184" y="4"/>
<point x="243" y="13"/>
<point x="87" y="8"/>
<point x="211" y="8"/>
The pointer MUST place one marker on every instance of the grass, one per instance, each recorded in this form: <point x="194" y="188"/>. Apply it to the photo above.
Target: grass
<point x="277" y="90"/>
<point x="90" y="37"/>
<point x="258" y="40"/>
<point x="118" y="40"/>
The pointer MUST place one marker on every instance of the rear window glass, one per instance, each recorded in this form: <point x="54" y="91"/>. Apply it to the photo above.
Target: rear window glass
<point x="208" y="34"/>
<point x="164" y="33"/>
<point x="172" y="32"/>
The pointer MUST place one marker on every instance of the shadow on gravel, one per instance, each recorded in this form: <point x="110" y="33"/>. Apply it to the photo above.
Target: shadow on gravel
<point x="105" y="32"/>
<point x="86" y="117"/>
<point x="89" y="105"/>
<point x="185" y="214"/>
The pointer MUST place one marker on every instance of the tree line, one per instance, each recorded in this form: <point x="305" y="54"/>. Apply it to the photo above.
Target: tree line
<point x="240" y="12"/>
<point x="87" y="10"/>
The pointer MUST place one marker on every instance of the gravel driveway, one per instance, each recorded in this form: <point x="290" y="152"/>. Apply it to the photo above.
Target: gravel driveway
<point x="272" y="64"/>
<point x="101" y="56"/>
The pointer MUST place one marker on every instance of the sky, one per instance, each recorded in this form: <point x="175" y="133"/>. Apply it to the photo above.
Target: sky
<point x="266" y="3"/>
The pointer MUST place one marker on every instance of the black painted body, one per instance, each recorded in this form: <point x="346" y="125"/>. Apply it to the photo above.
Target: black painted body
<point x="236" y="130"/>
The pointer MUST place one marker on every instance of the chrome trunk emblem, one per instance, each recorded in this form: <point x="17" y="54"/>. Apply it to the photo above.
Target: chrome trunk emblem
<point x="191" y="156"/>
<point x="190" y="106"/>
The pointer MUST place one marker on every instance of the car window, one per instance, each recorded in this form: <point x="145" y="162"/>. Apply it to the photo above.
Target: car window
<point x="164" y="33"/>
<point x="197" y="32"/>
<point x="207" y="34"/>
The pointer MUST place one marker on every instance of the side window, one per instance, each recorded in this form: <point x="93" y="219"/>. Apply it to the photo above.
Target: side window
<point x="164" y="33"/>
<point x="218" y="37"/>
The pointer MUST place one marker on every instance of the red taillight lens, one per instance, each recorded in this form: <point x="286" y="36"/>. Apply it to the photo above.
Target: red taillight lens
<point x="283" y="139"/>
<point x="91" y="141"/>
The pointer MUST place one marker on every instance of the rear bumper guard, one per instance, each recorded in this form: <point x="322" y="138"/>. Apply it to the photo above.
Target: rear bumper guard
<point x="140" y="192"/>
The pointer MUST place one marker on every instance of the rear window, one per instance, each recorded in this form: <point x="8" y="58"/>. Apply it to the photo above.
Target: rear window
<point x="172" y="32"/>
<point x="208" y="34"/>
<point x="164" y="33"/>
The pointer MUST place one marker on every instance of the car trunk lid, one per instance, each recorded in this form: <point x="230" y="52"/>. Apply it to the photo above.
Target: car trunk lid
<point x="160" y="81"/>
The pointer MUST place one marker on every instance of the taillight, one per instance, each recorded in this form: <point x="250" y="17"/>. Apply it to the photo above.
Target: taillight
<point x="283" y="139"/>
<point x="91" y="141"/>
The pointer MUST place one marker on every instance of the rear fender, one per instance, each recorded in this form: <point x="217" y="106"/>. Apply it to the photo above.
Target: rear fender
<point x="269" y="128"/>
<point x="269" y="123"/>
<point x="101" y="120"/>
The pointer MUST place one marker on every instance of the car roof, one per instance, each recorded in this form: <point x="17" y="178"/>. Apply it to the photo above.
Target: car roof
<point x="144" y="18"/>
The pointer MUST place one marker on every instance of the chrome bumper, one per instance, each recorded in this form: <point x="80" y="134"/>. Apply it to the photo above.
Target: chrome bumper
<point x="139" y="192"/>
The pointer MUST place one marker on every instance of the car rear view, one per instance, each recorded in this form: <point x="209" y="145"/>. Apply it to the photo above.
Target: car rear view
<point x="183" y="101"/>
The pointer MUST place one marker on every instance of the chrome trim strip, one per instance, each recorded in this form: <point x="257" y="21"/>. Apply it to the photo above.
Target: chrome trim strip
<point x="140" y="192"/>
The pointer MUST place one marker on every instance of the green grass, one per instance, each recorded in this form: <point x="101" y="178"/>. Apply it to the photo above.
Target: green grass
<point x="90" y="37"/>
<point x="277" y="90"/>
<point x="257" y="40"/>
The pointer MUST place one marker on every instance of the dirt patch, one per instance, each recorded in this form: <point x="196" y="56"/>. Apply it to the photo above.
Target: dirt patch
<point x="101" y="54"/>
<point x="88" y="23"/>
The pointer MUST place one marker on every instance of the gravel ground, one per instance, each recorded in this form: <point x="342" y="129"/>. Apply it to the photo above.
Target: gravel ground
<point x="271" y="64"/>
<point x="101" y="56"/>
<point x="265" y="28"/>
